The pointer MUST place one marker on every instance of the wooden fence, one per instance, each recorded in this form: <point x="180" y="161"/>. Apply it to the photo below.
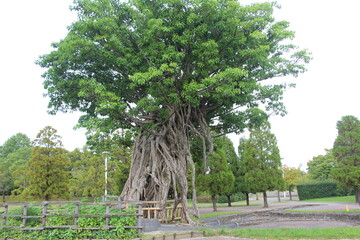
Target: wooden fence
<point x="151" y="209"/>
<point x="46" y="212"/>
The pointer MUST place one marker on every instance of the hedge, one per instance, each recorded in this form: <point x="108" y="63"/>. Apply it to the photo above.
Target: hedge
<point x="323" y="189"/>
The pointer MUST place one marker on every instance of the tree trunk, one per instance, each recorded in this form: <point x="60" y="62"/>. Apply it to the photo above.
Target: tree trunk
<point x="213" y="199"/>
<point x="279" y="199"/>
<point x="357" y="196"/>
<point x="290" y="194"/>
<point x="3" y="195"/>
<point x="265" y="200"/>
<point x="229" y="200"/>
<point x="247" y="199"/>
<point x="257" y="196"/>
<point x="162" y="160"/>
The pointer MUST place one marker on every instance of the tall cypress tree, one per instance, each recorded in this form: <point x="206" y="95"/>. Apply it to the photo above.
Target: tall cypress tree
<point x="48" y="168"/>
<point x="347" y="152"/>
<point x="262" y="162"/>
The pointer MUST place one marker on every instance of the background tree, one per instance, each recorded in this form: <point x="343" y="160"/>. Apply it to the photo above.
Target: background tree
<point x="320" y="167"/>
<point x="14" y="143"/>
<point x="232" y="161"/>
<point x="240" y="184"/>
<point x="13" y="155"/>
<point x="117" y="146"/>
<point x="87" y="174"/>
<point x="262" y="162"/>
<point x="170" y="71"/>
<point x="17" y="163"/>
<point x="48" y="168"/>
<point x="292" y="176"/>
<point x="347" y="152"/>
<point x="219" y="179"/>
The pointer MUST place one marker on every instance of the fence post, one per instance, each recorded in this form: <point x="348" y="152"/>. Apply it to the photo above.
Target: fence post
<point x="5" y="213"/>
<point x="77" y="205"/>
<point x="139" y="222"/>
<point x="24" y="215"/>
<point x="107" y="215"/>
<point x="44" y="213"/>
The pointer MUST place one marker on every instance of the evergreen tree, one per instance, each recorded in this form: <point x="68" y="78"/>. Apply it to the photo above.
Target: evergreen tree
<point x="262" y="162"/>
<point x="219" y="179"/>
<point x="48" y="168"/>
<point x="233" y="162"/>
<point x="347" y="152"/>
<point x="87" y="174"/>
<point x="240" y="184"/>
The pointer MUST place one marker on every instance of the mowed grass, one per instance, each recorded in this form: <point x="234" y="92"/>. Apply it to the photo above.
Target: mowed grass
<point x="342" y="199"/>
<point x="292" y="233"/>
<point x="216" y="214"/>
<point x="324" y="211"/>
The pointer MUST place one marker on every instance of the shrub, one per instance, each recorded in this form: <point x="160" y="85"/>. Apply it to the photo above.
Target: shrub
<point x="320" y="189"/>
<point x="117" y="233"/>
<point x="204" y="199"/>
<point x="233" y="198"/>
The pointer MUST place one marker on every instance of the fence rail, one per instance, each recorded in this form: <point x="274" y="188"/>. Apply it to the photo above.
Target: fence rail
<point x="46" y="212"/>
<point x="152" y="209"/>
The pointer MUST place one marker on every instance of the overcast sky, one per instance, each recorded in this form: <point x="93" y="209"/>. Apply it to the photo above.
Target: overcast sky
<point x="325" y="93"/>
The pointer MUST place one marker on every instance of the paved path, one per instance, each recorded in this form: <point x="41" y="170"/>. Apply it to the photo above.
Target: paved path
<point x="270" y="222"/>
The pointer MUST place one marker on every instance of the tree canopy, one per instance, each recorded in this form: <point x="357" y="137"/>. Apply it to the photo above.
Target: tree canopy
<point x="48" y="168"/>
<point x="262" y="162"/>
<point x="320" y="167"/>
<point x="170" y="70"/>
<point x="347" y="152"/>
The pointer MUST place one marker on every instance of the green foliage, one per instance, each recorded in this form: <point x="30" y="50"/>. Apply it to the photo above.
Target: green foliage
<point x="347" y="152"/>
<point x="261" y="161"/>
<point x="117" y="233"/>
<point x="320" y="189"/>
<point x="13" y="157"/>
<point x="125" y="64"/>
<point x="14" y="143"/>
<point x="320" y="167"/>
<point x="48" y="169"/>
<point x="219" y="179"/>
<point x="87" y="174"/>
<point x="292" y="176"/>
<point x="233" y="198"/>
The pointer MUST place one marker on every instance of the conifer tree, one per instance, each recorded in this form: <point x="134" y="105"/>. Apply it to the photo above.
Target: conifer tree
<point x="219" y="179"/>
<point x="347" y="152"/>
<point x="262" y="162"/>
<point x="48" y="168"/>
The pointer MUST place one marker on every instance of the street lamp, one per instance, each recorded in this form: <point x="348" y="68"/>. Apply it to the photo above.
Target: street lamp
<point x="106" y="173"/>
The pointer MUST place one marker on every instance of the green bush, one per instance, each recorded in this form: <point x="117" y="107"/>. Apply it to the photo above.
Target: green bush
<point x="204" y="199"/>
<point x="117" y="233"/>
<point x="233" y="198"/>
<point x="320" y="189"/>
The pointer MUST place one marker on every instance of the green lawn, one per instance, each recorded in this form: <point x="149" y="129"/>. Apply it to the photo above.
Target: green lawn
<point x="292" y="233"/>
<point x="216" y="214"/>
<point x="325" y="211"/>
<point x="344" y="199"/>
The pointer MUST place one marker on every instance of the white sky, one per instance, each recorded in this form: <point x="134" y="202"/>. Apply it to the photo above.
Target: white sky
<point x="328" y="91"/>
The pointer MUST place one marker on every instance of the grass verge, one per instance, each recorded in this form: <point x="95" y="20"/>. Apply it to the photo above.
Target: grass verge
<point x="343" y="199"/>
<point x="324" y="211"/>
<point x="292" y="233"/>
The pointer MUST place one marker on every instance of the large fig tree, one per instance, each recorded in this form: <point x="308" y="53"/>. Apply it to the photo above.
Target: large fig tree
<point x="170" y="70"/>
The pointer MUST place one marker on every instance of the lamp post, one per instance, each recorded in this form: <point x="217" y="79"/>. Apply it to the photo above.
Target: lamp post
<point x="106" y="173"/>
